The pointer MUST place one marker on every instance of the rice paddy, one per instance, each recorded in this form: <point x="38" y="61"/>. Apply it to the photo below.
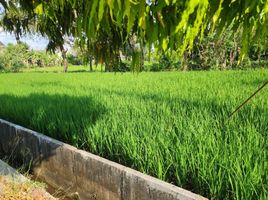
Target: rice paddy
<point x="170" y="125"/>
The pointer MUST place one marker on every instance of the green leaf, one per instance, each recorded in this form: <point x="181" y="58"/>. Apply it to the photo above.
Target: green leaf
<point x="167" y="2"/>
<point x="102" y="4"/>
<point x="164" y="44"/>
<point x="39" y="9"/>
<point x="92" y="13"/>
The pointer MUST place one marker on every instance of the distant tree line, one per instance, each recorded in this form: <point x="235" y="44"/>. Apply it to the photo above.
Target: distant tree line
<point x="15" y="57"/>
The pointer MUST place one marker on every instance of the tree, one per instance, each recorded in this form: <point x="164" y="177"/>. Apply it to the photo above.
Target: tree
<point x="16" y="21"/>
<point x="20" y="18"/>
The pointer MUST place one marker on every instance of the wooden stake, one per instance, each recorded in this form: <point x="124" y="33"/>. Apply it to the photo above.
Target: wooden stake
<point x="248" y="99"/>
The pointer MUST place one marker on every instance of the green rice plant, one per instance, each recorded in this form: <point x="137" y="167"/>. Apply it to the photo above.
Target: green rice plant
<point x="171" y="125"/>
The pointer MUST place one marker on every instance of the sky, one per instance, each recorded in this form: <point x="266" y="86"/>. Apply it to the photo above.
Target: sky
<point x="35" y="42"/>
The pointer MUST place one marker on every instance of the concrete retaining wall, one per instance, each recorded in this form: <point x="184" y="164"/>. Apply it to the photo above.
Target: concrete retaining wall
<point x="64" y="166"/>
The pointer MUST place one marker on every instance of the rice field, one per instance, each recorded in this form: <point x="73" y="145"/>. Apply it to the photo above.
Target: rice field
<point x="171" y="125"/>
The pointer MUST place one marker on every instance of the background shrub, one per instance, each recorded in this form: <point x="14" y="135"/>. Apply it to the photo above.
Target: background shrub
<point x="18" y="56"/>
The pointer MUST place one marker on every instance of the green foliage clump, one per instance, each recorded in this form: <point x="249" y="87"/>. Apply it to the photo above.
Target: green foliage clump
<point x="74" y="60"/>
<point x="214" y="52"/>
<point x="171" y="125"/>
<point x="15" y="57"/>
<point x="43" y="59"/>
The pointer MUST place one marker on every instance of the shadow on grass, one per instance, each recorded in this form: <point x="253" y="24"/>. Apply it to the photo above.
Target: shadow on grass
<point x="62" y="117"/>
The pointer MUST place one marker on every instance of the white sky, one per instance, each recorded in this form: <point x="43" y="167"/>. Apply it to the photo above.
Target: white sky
<point x="35" y="42"/>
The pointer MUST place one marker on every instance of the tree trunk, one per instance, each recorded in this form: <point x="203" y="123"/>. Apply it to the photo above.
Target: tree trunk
<point x="65" y="64"/>
<point x="142" y="57"/>
<point x="64" y="59"/>
<point x="184" y="66"/>
<point x="90" y="64"/>
<point x="17" y="38"/>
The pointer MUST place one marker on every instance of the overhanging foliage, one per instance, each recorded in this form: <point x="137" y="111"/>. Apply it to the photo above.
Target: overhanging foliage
<point x="165" y="24"/>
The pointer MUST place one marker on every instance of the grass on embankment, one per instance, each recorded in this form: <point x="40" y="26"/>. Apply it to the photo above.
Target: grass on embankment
<point x="170" y="125"/>
<point x="12" y="189"/>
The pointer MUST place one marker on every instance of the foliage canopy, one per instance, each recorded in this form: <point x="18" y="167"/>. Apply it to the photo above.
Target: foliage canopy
<point x="167" y="24"/>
